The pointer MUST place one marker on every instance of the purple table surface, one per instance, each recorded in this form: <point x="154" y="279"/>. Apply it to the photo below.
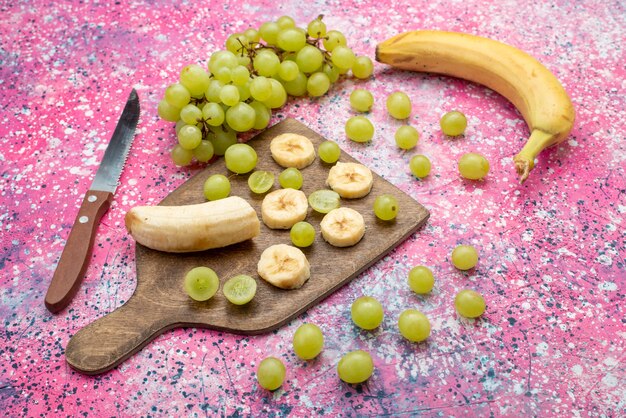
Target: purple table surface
<point x="552" y="251"/>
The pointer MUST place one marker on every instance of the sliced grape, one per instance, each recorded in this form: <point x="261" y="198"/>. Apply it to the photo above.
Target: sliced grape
<point x="324" y="200"/>
<point x="261" y="181"/>
<point x="201" y="283"/>
<point x="240" y="289"/>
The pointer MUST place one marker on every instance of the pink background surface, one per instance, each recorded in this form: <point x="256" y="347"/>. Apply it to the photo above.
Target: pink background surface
<point x="552" y="265"/>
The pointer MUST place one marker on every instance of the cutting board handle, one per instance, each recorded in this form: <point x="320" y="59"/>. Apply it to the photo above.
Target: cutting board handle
<point x="108" y="341"/>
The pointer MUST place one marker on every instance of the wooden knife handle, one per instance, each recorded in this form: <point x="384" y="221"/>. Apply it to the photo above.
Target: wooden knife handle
<point x="75" y="257"/>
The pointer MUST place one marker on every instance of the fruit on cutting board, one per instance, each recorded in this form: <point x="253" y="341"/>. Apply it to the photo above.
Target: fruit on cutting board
<point x="190" y="228"/>
<point x="324" y="200"/>
<point x="342" y="227"/>
<point x="261" y="181"/>
<point x="530" y="86"/>
<point x="240" y="158"/>
<point x="216" y="187"/>
<point x="355" y="367"/>
<point x="292" y="150"/>
<point x="291" y="178"/>
<point x="302" y="234"/>
<point x="329" y="152"/>
<point x="283" y="208"/>
<point x="239" y="289"/>
<point x="350" y="180"/>
<point x="201" y="283"/>
<point x="386" y="207"/>
<point x="284" y="266"/>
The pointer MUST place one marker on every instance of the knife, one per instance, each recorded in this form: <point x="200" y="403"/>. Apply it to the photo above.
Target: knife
<point x="74" y="259"/>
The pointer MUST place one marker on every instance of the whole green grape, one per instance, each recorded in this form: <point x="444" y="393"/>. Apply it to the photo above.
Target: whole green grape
<point x="464" y="257"/>
<point x="262" y="115"/>
<point x="291" y="39"/>
<point x="222" y="139"/>
<point x="414" y="325"/>
<point x="469" y="303"/>
<point x="420" y="166"/>
<point x="288" y="70"/>
<point x="269" y="32"/>
<point x="260" y="88"/>
<point x="362" y="67"/>
<point x="473" y="166"/>
<point x="266" y="63"/>
<point x="421" y="279"/>
<point x="170" y="113"/>
<point x="297" y="86"/>
<point x="309" y="59"/>
<point x="406" y="137"/>
<point x="177" y="95"/>
<point x="195" y="79"/>
<point x="271" y="373"/>
<point x="229" y="95"/>
<point x="386" y="207"/>
<point x="302" y="234"/>
<point x="355" y="367"/>
<point x="399" y="105"/>
<point x="241" y="117"/>
<point x="278" y="96"/>
<point x="181" y="156"/>
<point x="453" y="123"/>
<point x="240" y="158"/>
<point x="359" y="129"/>
<point x="317" y="84"/>
<point x="240" y="75"/>
<point x="367" y="312"/>
<point x="333" y="39"/>
<point x="216" y="187"/>
<point x="343" y="57"/>
<point x="203" y="152"/>
<point x="213" y="114"/>
<point x="191" y="114"/>
<point x="316" y="28"/>
<point x="291" y="178"/>
<point x="361" y="100"/>
<point x="329" y="152"/>
<point x="285" y="22"/>
<point x="308" y="341"/>
<point x="189" y="137"/>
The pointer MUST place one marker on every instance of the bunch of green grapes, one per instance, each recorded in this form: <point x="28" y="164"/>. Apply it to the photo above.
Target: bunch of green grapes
<point x="255" y="73"/>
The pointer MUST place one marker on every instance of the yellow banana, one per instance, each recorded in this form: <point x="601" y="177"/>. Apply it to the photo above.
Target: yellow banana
<point x="531" y="87"/>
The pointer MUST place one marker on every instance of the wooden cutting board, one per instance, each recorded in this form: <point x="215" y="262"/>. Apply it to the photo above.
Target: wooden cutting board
<point x="159" y="302"/>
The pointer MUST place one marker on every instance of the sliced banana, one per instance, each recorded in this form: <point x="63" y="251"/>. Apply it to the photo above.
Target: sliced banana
<point x="343" y="227"/>
<point x="282" y="208"/>
<point x="350" y="180"/>
<point x="284" y="266"/>
<point x="292" y="150"/>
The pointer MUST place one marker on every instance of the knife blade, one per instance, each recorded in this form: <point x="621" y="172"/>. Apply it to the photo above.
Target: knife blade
<point x="78" y="247"/>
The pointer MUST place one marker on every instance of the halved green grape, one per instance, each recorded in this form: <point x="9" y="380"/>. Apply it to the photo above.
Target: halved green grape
<point x="324" y="200"/>
<point x="261" y="181"/>
<point x="260" y="88"/>
<point x="464" y="257"/>
<point x="359" y="129"/>
<point x="262" y="115"/>
<point x="240" y="289"/>
<point x="212" y="92"/>
<point x="386" y="207"/>
<point x="291" y="39"/>
<point x="278" y="96"/>
<point x="333" y="39"/>
<point x="241" y="117"/>
<point x="240" y="75"/>
<point x="240" y="158"/>
<point x="329" y="152"/>
<point x="302" y="234"/>
<point x="343" y="57"/>
<point x="271" y="373"/>
<point x="195" y="79"/>
<point x="420" y="166"/>
<point x="177" y="95"/>
<point x="367" y="312"/>
<point x="223" y="139"/>
<point x="355" y="367"/>
<point x="399" y="105"/>
<point x="203" y="152"/>
<point x="316" y="28"/>
<point x="201" y="283"/>
<point x="291" y="178"/>
<point x="473" y="166"/>
<point x="469" y="303"/>
<point x="269" y="32"/>
<point x="229" y="95"/>
<point x="362" y="67"/>
<point x="318" y="84"/>
<point x="213" y="114"/>
<point x="309" y="59"/>
<point x="285" y="22"/>
<point x="414" y="325"/>
<point x="421" y="279"/>
<point x="308" y="341"/>
<point x="361" y="100"/>
<point x="266" y="63"/>
<point x="453" y="123"/>
<point x="170" y="113"/>
<point x="216" y="187"/>
<point x="181" y="156"/>
<point x="189" y="136"/>
<point x="406" y="137"/>
<point x="297" y="86"/>
<point x="191" y="114"/>
<point x="288" y="70"/>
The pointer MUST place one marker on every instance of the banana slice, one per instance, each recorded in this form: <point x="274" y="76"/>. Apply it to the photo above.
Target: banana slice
<point x="350" y="180"/>
<point x="284" y="266"/>
<point x="282" y="208"/>
<point x="343" y="227"/>
<point x="292" y="150"/>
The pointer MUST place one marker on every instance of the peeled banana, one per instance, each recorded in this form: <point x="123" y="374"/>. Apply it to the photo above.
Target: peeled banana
<point x="200" y="227"/>
<point x="531" y="87"/>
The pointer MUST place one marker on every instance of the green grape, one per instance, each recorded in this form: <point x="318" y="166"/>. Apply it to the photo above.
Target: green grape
<point x="240" y="158"/>
<point x="453" y="123"/>
<point x="216" y="187"/>
<point x="361" y="100"/>
<point x="359" y="129"/>
<point x="290" y="39"/>
<point x="399" y="105"/>
<point x="343" y="57"/>
<point x="420" y="166"/>
<point x="204" y="151"/>
<point x="237" y="43"/>
<point x="181" y="156"/>
<point x="213" y="114"/>
<point x="222" y="140"/>
<point x="221" y="59"/>
<point x="363" y="67"/>
<point x="302" y="234"/>
<point x="170" y="113"/>
<point x="414" y="325"/>
<point x="245" y="61"/>
<point x="195" y="79"/>
<point x="179" y="124"/>
<point x="189" y="136"/>
<point x="324" y="200"/>
<point x="331" y="71"/>
<point x="201" y="283"/>
<point x="191" y="114"/>
<point x="285" y="22"/>
<point x="291" y="178"/>
<point x="229" y="95"/>
<point x="367" y="312"/>
<point x="386" y="207"/>
<point x="240" y="75"/>
<point x="223" y="74"/>
<point x="260" y="88"/>
<point x="240" y="289"/>
<point x="177" y="95"/>
<point x="271" y="373"/>
<point x="317" y="84"/>
<point x="212" y="93"/>
<point x="469" y="303"/>
<point x="297" y="86"/>
<point x="464" y="257"/>
<point x="329" y="152"/>
<point x="261" y="181"/>
<point x="244" y="92"/>
<point x="309" y="59"/>
<point x="406" y="137"/>
<point x="278" y="97"/>
<point x="266" y="63"/>
<point x="308" y="341"/>
<point x="288" y="70"/>
<point x="316" y="28"/>
<point x="355" y="367"/>
<point x="241" y="117"/>
<point x="262" y="115"/>
<point x="333" y="39"/>
<point x="473" y="166"/>
<point x="252" y="35"/>
<point x="269" y="32"/>
<point x="421" y="279"/>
